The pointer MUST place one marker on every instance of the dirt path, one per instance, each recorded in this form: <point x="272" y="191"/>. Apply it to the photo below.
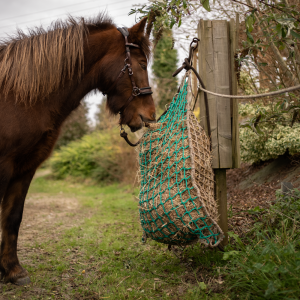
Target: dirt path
<point x="45" y="218"/>
<point x="44" y="214"/>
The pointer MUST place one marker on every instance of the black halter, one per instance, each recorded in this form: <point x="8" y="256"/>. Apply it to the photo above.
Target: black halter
<point x="136" y="91"/>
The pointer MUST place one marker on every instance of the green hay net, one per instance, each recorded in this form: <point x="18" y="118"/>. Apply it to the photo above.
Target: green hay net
<point x="176" y="200"/>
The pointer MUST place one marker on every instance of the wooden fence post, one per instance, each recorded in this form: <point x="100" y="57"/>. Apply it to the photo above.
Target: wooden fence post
<point x="216" y="51"/>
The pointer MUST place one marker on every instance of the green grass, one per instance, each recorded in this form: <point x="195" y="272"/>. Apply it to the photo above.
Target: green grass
<point x="266" y="265"/>
<point x="268" y="271"/>
<point x="104" y="258"/>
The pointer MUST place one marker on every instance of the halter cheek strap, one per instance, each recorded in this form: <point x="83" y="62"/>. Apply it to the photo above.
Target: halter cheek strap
<point x="136" y="91"/>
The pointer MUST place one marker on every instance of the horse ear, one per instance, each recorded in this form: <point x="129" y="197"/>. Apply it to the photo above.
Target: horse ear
<point x="137" y="30"/>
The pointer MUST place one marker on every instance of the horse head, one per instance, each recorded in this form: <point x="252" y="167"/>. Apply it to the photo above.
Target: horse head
<point x="122" y="74"/>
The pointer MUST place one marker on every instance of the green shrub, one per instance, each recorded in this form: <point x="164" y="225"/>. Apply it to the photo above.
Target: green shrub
<point x="268" y="270"/>
<point x="268" y="267"/>
<point x="263" y="138"/>
<point x="101" y="156"/>
<point x="286" y="213"/>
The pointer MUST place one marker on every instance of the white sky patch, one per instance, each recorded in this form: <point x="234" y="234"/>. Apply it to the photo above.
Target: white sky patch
<point x="24" y="14"/>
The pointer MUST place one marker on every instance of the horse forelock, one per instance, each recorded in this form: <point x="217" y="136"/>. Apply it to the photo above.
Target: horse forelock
<point x="34" y="65"/>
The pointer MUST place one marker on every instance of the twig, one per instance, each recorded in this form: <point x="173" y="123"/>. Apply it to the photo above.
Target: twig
<point x="123" y="280"/>
<point x="159" y="275"/>
<point x="142" y="284"/>
<point x="139" y="254"/>
<point x="246" y="5"/>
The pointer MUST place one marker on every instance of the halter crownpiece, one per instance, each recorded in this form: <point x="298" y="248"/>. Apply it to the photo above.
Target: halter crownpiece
<point x="136" y="91"/>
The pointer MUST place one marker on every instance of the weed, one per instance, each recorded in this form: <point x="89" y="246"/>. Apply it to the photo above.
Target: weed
<point x="267" y="266"/>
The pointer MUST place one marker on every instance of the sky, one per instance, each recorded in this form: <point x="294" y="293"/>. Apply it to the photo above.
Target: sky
<point x="25" y="14"/>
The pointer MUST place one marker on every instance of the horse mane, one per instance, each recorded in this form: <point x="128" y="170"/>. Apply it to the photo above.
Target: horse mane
<point x="35" y="64"/>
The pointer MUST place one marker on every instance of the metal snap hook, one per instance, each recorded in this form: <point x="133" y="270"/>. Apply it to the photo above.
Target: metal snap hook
<point x="122" y="130"/>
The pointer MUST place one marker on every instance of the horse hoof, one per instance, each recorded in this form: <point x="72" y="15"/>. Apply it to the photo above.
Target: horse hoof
<point x="22" y="281"/>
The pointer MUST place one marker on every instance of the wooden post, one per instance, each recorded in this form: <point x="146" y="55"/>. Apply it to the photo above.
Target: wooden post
<point x="216" y="50"/>
<point x="234" y="31"/>
<point x="221" y="197"/>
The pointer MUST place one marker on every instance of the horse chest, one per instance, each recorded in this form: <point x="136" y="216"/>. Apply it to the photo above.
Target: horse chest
<point x="30" y="134"/>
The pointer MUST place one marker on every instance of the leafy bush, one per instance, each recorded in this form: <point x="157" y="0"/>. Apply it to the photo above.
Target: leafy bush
<point x="286" y="212"/>
<point x="262" y="138"/>
<point x="75" y="127"/>
<point x="102" y="156"/>
<point x="268" y="271"/>
<point x="269" y="266"/>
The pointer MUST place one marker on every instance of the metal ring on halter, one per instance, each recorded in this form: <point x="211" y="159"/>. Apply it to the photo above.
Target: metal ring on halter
<point x="135" y="91"/>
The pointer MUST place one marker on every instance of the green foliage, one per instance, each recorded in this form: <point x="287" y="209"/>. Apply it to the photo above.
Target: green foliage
<point x="283" y="22"/>
<point x="164" y="64"/>
<point x="286" y="212"/>
<point x="75" y="127"/>
<point x="98" y="156"/>
<point x="282" y="19"/>
<point x="282" y="220"/>
<point x="267" y="271"/>
<point x="269" y="266"/>
<point x="168" y="12"/>
<point x="268" y="132"/>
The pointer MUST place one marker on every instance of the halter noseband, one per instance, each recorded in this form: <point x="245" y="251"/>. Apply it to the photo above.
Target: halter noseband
<point x="136" y="91"/>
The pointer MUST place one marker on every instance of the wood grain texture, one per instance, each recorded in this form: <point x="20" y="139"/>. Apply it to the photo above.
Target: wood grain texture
<point x="221" y="197"/>
<point x="236" y="156"/>
<point x="207" y="71"/>
<point x="214" y="68"/>
<point x="222" y="82"/>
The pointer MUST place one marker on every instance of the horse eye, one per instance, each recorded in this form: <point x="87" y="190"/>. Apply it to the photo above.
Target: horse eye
<point x="144" y="67"/>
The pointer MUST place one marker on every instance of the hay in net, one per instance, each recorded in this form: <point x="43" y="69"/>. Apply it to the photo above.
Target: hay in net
<point x="176" y="200"/>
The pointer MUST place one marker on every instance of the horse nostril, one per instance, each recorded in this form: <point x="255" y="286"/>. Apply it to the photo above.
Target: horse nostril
<point x="154" y="116"/>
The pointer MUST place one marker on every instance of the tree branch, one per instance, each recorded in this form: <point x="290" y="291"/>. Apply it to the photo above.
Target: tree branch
<point x="276" y="52"/>
<point x="273" y="6"/>
<point x="267" y="4"/>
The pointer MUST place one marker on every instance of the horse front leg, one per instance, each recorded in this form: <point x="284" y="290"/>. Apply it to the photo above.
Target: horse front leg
<point x="12" y="210"/>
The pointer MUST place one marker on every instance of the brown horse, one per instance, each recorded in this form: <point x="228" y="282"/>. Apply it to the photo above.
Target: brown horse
<point x="43" y="77"/>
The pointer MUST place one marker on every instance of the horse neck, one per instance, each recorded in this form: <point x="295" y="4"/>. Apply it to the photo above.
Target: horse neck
<point x="96" y="51"/>
<point x="100" y="49"/>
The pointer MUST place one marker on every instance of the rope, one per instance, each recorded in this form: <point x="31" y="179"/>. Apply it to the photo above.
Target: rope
<point x="286" y="90"/>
